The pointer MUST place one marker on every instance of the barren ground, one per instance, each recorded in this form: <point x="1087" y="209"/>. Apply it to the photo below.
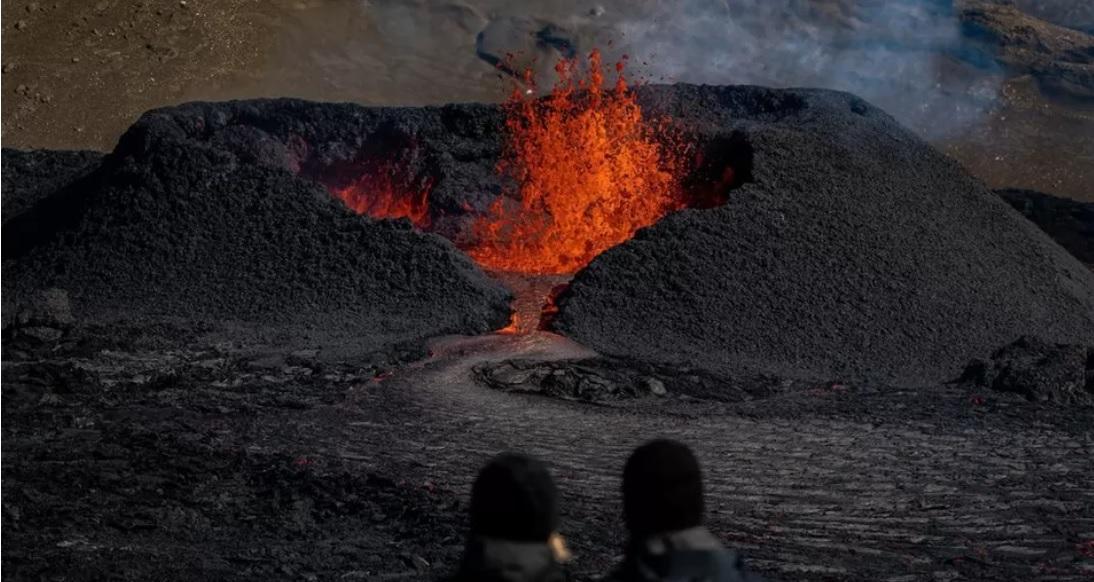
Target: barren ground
<point x="131" y="457"/>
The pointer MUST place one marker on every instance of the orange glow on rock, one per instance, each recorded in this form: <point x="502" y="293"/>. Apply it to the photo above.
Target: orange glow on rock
<point x="514" y="327"/>
<point x="382" y="193"/>
<point x="584" y="172"/>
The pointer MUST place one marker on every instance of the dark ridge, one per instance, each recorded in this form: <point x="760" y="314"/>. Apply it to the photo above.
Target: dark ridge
<point x="201" y="213"/>
<point x="31" y="175"/>
<point x="857" y="252"/>
<point x="1068" y="222"/>
<point x="40" y="184"/>
<point x="388" y="146"/>
<point x="722" y="163"/>
<point x="845" y="248"/>
<point x="1038" y="370"/>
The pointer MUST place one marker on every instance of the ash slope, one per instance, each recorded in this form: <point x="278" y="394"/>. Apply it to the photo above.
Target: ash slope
<point x="200" y="214"/>
<point x="857" y="252"/>
<point x="30" y="176"/>
<point x="1068" y="222"/>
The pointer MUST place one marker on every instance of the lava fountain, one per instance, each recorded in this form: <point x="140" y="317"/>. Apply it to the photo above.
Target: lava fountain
<point x="581" y="169"/>
<point x="583" y="172"/>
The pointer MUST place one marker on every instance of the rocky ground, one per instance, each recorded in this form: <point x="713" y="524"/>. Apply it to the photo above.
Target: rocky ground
<point x="166" y="453"/>
<point x="126" y="415"/>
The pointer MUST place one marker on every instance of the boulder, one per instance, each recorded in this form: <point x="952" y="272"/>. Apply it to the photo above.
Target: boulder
<point x="1039" y="370"/>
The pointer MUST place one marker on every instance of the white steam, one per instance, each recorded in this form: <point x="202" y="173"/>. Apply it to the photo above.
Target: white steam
<point x="906" y="56"/>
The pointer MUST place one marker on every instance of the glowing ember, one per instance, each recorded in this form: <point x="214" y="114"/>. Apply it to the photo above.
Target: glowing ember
<point x="383" y="193"/>
<point x="586" y="173"/>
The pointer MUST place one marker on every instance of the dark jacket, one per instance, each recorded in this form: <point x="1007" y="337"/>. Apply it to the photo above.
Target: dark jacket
<point x="493" y="560"/>
<point x="691" y="555"/>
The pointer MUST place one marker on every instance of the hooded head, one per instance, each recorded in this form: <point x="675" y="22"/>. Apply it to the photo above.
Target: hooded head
<point x="514" y="499"/>
<point x="662" y="489"/>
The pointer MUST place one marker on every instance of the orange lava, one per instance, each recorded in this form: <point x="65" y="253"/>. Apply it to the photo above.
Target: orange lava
<point x="585" y="172"/>
<point x="381" y="193"/>
<point x="515" y="326"/>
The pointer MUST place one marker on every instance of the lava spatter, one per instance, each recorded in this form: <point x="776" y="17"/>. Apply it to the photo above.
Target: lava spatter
<point x="585" y="172"/>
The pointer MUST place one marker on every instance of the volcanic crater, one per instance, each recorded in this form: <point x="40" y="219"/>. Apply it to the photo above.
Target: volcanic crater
<point x="800" y="233"/>
<point x="264" y="283"/>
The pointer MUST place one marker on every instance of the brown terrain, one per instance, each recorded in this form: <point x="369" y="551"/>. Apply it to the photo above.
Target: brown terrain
<point x="78" y="73"/>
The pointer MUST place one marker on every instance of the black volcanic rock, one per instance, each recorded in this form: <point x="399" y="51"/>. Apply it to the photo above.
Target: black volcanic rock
<point x="1039" y="370"/>
<point x="30" y="176"/>
<point x="856" y="252"/>
<point x="1068" y="222"/>
<point x="206" y="211"/>
<point x="849" y="248"/>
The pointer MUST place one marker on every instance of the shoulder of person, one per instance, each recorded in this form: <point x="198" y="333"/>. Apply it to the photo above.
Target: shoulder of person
<point x="732" y="568"/>
<point x="720" y="565"/>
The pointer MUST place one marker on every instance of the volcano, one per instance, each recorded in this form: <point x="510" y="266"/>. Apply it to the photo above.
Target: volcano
<point x="243" y="303"/>
<point x="856" y="251"/>
<point x="847" y="247"/>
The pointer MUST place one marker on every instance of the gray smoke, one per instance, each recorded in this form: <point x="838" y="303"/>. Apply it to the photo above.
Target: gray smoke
<point x="906" y="56"/>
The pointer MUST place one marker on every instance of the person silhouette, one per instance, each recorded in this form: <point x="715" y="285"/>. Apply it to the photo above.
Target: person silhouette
<point x="514" y="522"/>
<point x="663" y="510"/>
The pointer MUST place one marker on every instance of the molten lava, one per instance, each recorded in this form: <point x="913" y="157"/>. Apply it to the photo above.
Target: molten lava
<point x="383" y="192"/>
<point x="533" y="301"/>
<point x="585" y="172"/>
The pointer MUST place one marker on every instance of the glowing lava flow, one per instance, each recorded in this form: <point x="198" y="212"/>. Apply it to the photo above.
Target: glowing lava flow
<point x="586" y="173"/>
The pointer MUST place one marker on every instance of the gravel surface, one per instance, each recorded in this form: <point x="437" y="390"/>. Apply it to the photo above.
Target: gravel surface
<point x="131" y="456"/>
<point x="1068" y="222"/>
<point x="200" y="213"/>
<point x="30" y="176"/>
